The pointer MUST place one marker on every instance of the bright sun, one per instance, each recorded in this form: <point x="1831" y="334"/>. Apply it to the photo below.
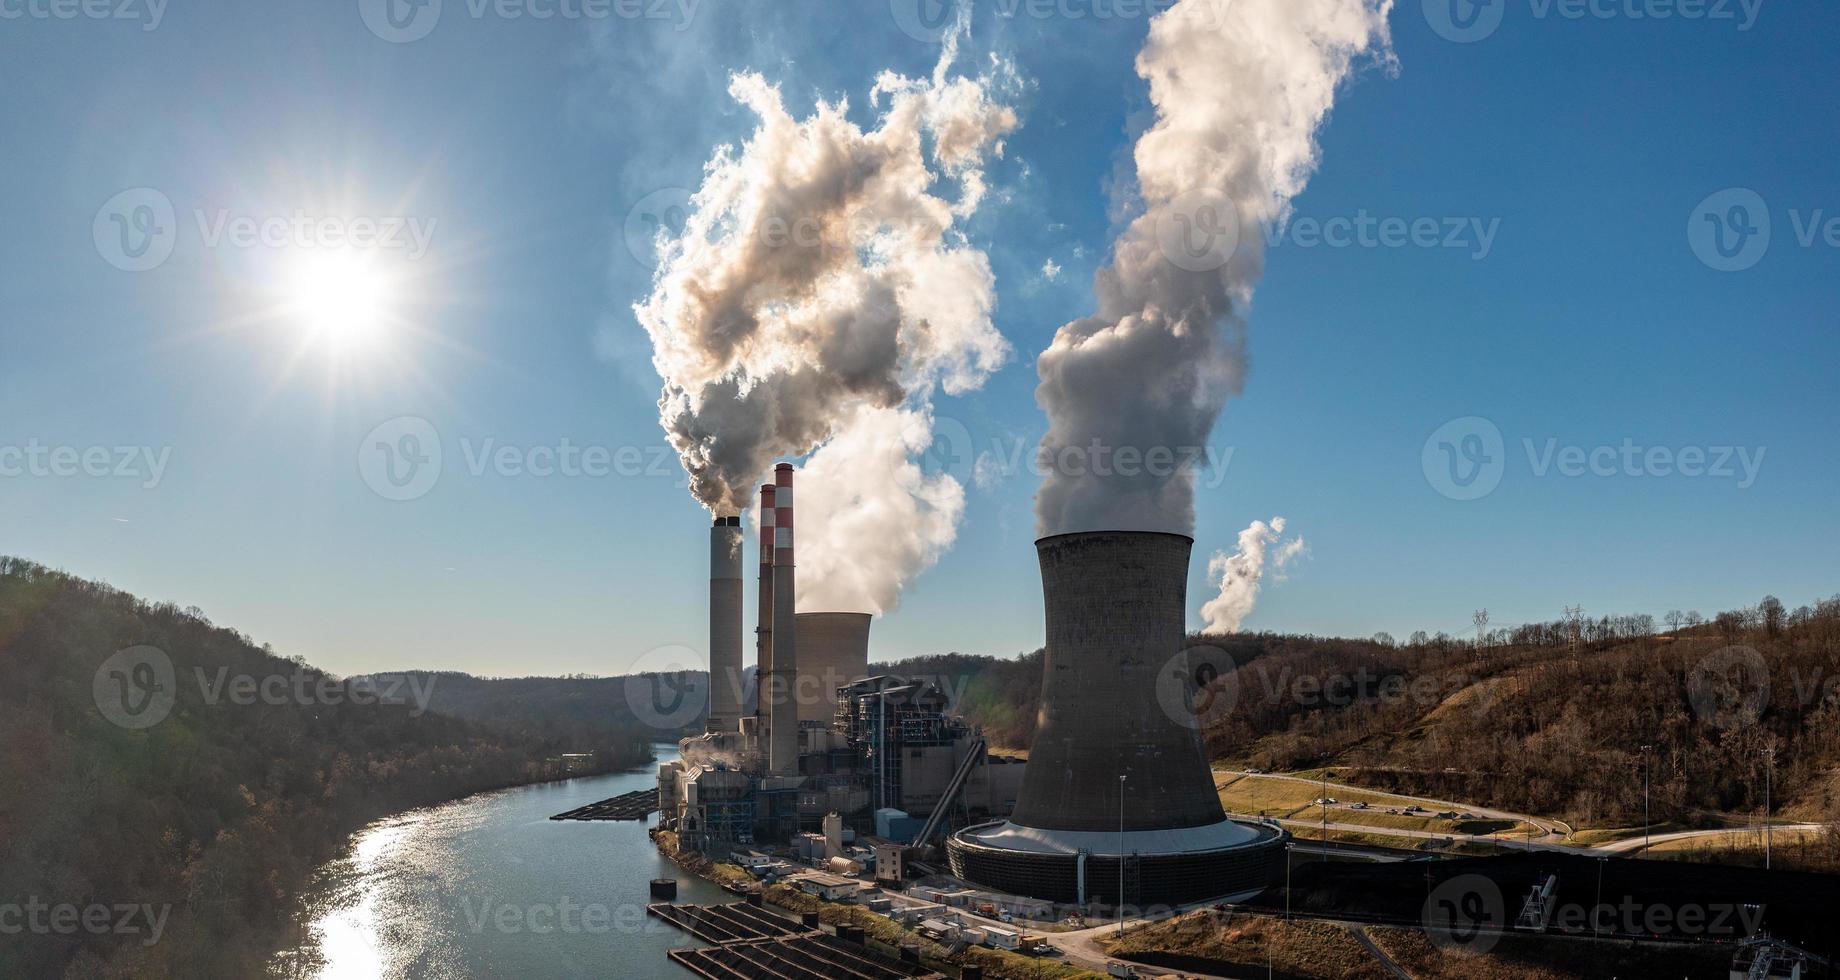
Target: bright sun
<point x="338" y="295"/>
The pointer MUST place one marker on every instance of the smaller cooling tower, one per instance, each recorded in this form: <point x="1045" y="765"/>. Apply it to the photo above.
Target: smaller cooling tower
<point x="833" y="650"/>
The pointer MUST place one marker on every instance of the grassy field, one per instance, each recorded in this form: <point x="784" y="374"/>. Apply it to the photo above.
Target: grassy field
<point x="1746" y="840"/>
<point x="1289" y="799"/>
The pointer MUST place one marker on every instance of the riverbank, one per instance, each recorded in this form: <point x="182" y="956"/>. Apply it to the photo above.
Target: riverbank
<point x="490" y="886"/>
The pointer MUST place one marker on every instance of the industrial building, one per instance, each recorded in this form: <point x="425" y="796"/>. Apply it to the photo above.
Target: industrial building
<point x="1117" y="803"/>
<point x="824" y="738"/>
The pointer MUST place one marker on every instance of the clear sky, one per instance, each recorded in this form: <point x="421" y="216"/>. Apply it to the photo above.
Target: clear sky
<point x="1594" y="307"/>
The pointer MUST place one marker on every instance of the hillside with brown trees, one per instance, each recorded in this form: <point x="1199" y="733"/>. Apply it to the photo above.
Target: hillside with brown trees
<point x="213" y="814"/>
<point x="1562" y="718"/>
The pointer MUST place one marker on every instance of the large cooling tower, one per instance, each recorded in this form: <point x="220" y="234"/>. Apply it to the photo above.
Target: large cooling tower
<point x="833" y="651"/>
<point x="725" y="680"/>
<point x="1117" y="793"/>
<point x="1115" y="613"/>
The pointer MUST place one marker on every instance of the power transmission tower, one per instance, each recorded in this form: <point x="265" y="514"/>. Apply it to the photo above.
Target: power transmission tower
<point x="1574" y="620"/>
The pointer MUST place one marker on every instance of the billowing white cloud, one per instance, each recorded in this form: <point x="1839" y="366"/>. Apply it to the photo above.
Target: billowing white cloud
<point x="820" y="293"/>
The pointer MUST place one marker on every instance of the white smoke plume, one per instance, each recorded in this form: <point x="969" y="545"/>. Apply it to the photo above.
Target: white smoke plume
<point x="867" y="511"/>
<point x="821" y="291"/>
<point x="1241" y="574"/>
<point x="1239" y="89"/>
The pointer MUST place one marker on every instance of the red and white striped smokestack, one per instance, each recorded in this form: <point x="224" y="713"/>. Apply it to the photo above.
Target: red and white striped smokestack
<point x="783" y="739"/>
<point x="763" y="648"/>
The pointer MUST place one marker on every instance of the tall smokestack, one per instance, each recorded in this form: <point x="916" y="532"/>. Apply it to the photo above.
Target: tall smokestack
<point x="783" y="746"/>
<point x="725" y="625"/>
<point x="763" y="636"/>
<point x="1115" y="614"/>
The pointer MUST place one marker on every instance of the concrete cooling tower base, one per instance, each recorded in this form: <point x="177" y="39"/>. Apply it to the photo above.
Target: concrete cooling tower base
<point x="1162" y="866"/>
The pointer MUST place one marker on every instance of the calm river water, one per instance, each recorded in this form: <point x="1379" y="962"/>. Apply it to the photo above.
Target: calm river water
<point x="489" y="886"/>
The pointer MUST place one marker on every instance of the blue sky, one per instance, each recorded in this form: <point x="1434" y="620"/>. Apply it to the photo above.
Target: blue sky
<point x="1587" y="144"/>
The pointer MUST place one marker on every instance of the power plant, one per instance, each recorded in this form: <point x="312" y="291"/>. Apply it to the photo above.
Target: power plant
<point x="1116" y="802"/>
<point x="824" y="737"/>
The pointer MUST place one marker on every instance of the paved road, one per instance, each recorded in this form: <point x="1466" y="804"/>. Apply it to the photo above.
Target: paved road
<point x="1553" y="832"/>
<point x="1638" y="843"/>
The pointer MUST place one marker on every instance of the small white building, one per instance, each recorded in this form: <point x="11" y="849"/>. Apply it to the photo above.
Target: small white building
<point x="829" y="887"/>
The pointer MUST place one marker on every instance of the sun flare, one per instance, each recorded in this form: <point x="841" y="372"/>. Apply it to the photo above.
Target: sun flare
<point x="340" y="296"/>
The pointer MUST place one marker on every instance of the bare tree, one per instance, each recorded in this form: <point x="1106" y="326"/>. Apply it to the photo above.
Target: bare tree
<point x="1771" y="609"/>
<point x="1384" y="638"/>
<point x="1674" y="618"/>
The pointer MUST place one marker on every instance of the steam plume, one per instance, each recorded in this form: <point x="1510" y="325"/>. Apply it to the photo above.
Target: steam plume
<point x="1241" y="574"/>
<point x="1239" y="89"/>
<point x="822" y="290"/>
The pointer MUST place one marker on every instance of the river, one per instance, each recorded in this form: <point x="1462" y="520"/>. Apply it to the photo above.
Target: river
<point x="489" y="886"/>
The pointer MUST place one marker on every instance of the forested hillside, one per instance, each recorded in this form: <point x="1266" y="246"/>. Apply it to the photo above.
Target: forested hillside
<point x="1558" y="718"/>
<point x="206" y="792"/>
